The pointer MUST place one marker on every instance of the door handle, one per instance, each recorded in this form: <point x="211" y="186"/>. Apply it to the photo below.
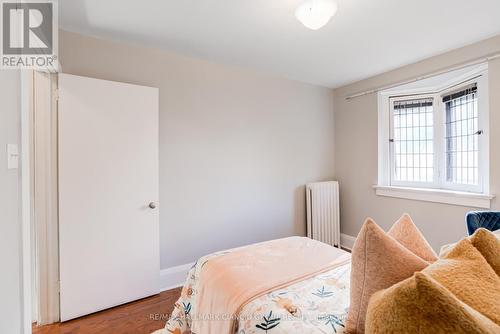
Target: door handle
<point x="152" y="205"/>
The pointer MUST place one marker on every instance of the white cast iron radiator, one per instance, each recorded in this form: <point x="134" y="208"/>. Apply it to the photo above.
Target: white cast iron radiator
<point x="323" y="219"/>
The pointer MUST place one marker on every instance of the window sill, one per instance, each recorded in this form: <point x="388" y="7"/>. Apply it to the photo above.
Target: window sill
<point x="436" y="196"/>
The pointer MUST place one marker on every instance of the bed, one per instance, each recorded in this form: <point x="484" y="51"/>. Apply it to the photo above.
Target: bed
<point x="313" y="298"/>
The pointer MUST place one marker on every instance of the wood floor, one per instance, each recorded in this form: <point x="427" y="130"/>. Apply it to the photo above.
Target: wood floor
<point x="140" y="317"/>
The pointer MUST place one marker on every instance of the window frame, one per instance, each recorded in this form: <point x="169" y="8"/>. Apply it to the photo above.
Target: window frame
<point x="386" y="100"/>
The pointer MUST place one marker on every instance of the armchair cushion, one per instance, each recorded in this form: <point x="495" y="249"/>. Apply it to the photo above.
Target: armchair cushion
<point x="489" y="220"/>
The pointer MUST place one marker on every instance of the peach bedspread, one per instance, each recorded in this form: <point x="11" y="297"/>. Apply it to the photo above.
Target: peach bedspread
<point x="229" y="282"/>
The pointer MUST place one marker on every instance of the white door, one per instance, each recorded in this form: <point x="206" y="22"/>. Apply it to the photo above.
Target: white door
<point x="108" y="176"/>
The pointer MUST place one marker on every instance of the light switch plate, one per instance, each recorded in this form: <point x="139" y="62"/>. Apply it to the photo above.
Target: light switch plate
<point x="12" y="156"/>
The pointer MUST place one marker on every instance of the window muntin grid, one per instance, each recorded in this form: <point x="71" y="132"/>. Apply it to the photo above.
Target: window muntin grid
<point x="413" y="132"/>
<point x="462" y="137"/>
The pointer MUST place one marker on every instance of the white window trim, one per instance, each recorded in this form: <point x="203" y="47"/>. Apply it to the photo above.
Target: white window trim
<point x="481" y="197"/>
<point x="437" y="196"/>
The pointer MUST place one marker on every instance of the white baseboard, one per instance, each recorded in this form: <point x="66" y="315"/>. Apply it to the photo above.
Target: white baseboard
<point x="347" y="241"/>
<point x="174" y="277"/>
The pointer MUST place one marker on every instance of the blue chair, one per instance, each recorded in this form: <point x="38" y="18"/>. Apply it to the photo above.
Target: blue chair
<point x="489" y="220"/>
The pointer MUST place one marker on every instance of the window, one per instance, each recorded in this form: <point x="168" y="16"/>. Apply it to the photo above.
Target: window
<point x="435" y="137"/>
<point x="462" y="137"/>
<point x="412" y="138"/>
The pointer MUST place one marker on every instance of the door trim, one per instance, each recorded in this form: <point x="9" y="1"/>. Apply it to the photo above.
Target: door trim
<point x="35" y="308"/>
<point x="45" y="197"/>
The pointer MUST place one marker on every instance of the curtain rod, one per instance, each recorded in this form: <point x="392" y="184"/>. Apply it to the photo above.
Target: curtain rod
<point x="422" y="77"/>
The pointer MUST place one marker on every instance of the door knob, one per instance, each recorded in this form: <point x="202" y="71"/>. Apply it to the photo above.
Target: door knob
<point x="152" y="205"/>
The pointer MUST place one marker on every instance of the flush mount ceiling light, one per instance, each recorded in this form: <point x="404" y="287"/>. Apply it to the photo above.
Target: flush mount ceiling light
<point x="314" y="14"/>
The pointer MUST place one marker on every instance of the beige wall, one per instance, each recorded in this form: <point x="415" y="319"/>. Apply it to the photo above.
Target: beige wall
<point x="10" y="222"/>
<point x="356" y="151"/>
<point x="236" y="146"/>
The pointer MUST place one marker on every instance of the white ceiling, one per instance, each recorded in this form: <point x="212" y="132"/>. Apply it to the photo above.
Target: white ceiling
<point x="365" y="38"/>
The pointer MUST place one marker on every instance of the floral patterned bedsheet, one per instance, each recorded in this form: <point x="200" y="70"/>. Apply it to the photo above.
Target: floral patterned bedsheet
<point x="316" y="305"/>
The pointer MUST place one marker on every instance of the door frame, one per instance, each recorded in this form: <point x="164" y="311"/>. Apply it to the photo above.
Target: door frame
<point x="45" y="197"/>
<point x="35" y="309"/>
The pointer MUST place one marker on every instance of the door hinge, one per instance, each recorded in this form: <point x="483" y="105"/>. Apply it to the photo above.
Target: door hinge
<point x="56" y="94"/>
